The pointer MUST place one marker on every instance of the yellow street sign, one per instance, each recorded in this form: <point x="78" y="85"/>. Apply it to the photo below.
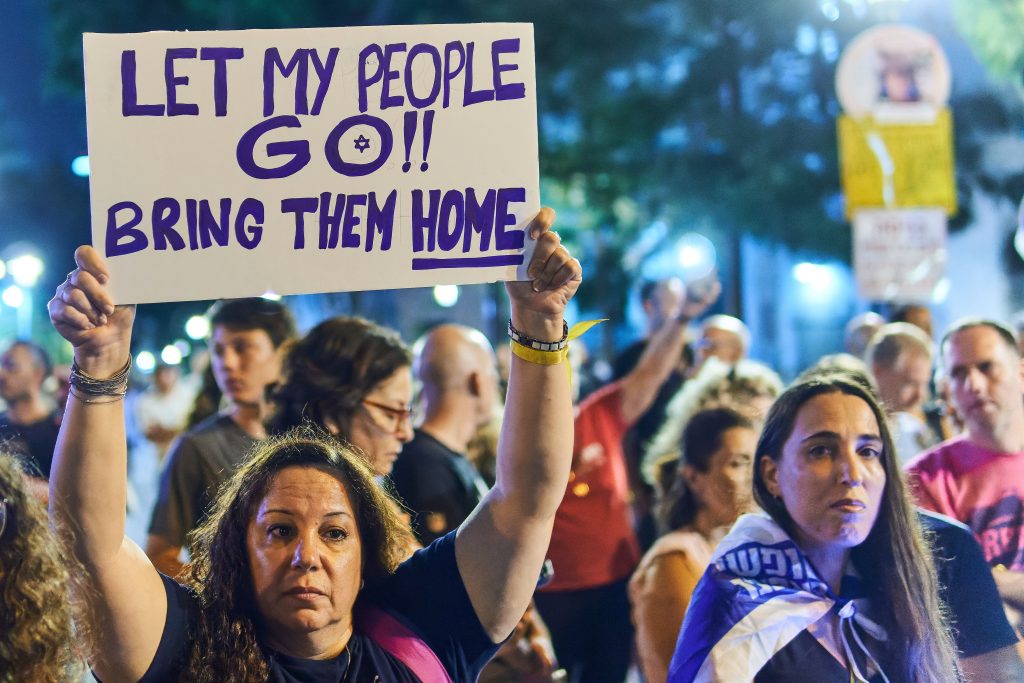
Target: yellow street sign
<point x="904" y="165"/>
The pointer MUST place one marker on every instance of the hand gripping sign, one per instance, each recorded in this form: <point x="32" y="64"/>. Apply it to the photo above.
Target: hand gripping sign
<point x="229" y="163"/>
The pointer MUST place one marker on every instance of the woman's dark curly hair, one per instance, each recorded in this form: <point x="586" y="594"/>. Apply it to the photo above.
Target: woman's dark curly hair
<point x="225" y="647"/>
<point x="330" y="371"/>
<point x="36" y="639"/>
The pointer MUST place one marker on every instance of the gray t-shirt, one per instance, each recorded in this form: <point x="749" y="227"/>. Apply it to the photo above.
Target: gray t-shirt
<point x="198" y="462"/>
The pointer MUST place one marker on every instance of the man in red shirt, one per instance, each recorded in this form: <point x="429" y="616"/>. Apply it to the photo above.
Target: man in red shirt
<point x="594" y="548"/>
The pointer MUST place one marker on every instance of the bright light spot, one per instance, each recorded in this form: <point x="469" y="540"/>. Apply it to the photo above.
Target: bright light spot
<point x="829" y="10"/>
<point x="145" y="361"/>
<point x="270" y="296"/>
<point x="806" y="39"/>
<point x="446" y="296"/>
<point x="3" y="270"/>
<point x="25" y="269"/>
<point x="941" y="290"/>
<point x="13" y="296"/>
<point x="695" y="255"/>
<point x="197" y="327"/>
<point x="813" y="275"/>
<point x="171" y="355"/>
<point x="80" y="166"/>
<point x="184" y="348"/>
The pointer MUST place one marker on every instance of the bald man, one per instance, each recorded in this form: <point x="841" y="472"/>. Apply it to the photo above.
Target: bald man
<point x="724" y="337"/>
<point x="458" y="372"/>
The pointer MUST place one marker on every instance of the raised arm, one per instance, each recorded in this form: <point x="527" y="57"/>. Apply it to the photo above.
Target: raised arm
<point x="501" y="547"/>
<point x="89" y="478"/>
<point x="640" y="387"/>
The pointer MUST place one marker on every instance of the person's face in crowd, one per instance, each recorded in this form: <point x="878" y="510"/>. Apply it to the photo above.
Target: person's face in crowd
<point x="986" y="379"/>
<point x="165" y="378"/>
<point x="384" y="421"/>
<point x="724" y="490"/>
<point x="722" y="344"/>
<point x="20" y="375"/>
<point x="305" y="556"/>
<point x="244" y="362"/>
<point x="830" y="476"/>
<point x="904" y="387"/>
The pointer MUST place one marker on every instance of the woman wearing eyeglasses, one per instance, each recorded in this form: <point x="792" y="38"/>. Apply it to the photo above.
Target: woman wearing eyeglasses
<point x="352" y="378"/>
<point x="35" y="617"/>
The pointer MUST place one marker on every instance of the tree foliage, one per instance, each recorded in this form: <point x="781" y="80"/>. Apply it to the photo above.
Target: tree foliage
<point x="696" y="113"/>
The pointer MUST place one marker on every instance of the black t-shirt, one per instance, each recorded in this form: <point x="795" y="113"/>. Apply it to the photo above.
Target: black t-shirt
<point x="35" y="441"/>
<point x="439" y="485"/>
<point x="197" y="464"/>
<point x="426" y="594"/>
<point x="967" y="587"/>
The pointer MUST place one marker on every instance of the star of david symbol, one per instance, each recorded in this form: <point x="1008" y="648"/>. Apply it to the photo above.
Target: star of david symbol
<point x="362" y="143"/>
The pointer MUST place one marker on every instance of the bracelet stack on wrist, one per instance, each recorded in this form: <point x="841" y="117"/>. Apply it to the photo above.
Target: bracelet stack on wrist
<point x="537" y="351"/>
<point x="89" y="389"/>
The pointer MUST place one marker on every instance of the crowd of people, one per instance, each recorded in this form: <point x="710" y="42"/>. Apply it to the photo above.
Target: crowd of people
<point x="344" y="506"/>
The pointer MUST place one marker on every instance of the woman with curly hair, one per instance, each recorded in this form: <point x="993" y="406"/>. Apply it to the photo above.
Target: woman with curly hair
<point x="295" y="574"/>
<point x="35" y="616"/>
<point x="746" y="386"/>
<point x="352" y="378"/>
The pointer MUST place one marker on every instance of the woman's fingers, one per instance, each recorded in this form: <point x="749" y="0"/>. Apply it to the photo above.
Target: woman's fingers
<point x="89" y="260"/>
<point x="77" y="299"/>
<point x="541" y="223"/>
<point x="96" y="293"/>
<point x="552" y="265"/>
<point x="63" y="315"/>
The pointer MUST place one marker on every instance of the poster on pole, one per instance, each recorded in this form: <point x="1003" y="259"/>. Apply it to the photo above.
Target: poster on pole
<point x="899" y="255"/>
<point x="230" y="163"/>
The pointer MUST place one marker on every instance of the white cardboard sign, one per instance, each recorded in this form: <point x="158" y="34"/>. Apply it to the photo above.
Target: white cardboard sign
<point x="229" y="163"/>
<point x="899" y="255"/>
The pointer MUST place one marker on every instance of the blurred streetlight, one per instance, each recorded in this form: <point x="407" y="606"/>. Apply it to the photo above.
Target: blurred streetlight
<point x="446" y="296"/>
<point x="696" y="256"/>
<point x="25" y="269"/>
<point x="145" y="361"/>
<point x="171" y="355"/>
<point x="80" y="166"/>
<point x="197" y="327"/>
<point x="13" y="296"/>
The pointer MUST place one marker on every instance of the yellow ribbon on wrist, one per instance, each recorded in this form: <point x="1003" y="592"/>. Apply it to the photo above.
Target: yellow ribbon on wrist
<point x="531" y="355"/>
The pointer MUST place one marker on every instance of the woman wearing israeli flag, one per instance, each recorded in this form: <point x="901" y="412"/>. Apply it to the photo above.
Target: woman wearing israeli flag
<point x="833" y="582"/>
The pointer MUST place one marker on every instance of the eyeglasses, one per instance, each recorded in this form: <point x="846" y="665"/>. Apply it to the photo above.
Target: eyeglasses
<point x="397" y="416"/>
<point x="3" y="516"/>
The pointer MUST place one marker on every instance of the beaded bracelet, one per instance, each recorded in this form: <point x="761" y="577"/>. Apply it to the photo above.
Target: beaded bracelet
<point x="116" y="385"/>
<point x="529" y="342"/>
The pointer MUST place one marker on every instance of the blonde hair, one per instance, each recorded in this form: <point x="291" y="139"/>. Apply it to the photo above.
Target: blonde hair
<point x="717" y="385"/>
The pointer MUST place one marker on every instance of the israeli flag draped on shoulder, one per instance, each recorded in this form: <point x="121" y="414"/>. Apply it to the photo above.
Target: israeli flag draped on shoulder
<point x="758" y="594"/>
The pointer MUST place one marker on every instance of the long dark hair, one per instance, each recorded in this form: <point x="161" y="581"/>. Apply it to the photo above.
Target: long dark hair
<point x="894" y="560"/>
<point x="331" y="370"/>
<point x="702" y="437"/>
<point x="225" y="647"/>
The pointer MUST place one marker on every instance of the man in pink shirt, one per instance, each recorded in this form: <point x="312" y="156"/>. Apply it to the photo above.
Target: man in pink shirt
<point x="978" y="477"/>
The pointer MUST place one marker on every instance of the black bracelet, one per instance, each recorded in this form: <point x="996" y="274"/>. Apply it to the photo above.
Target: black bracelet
<point x="520" y="338"/>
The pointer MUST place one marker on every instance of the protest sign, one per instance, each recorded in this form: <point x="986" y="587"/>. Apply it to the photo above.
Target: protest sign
<point x="899" y="255"/>
<point x="230" y="163"/>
